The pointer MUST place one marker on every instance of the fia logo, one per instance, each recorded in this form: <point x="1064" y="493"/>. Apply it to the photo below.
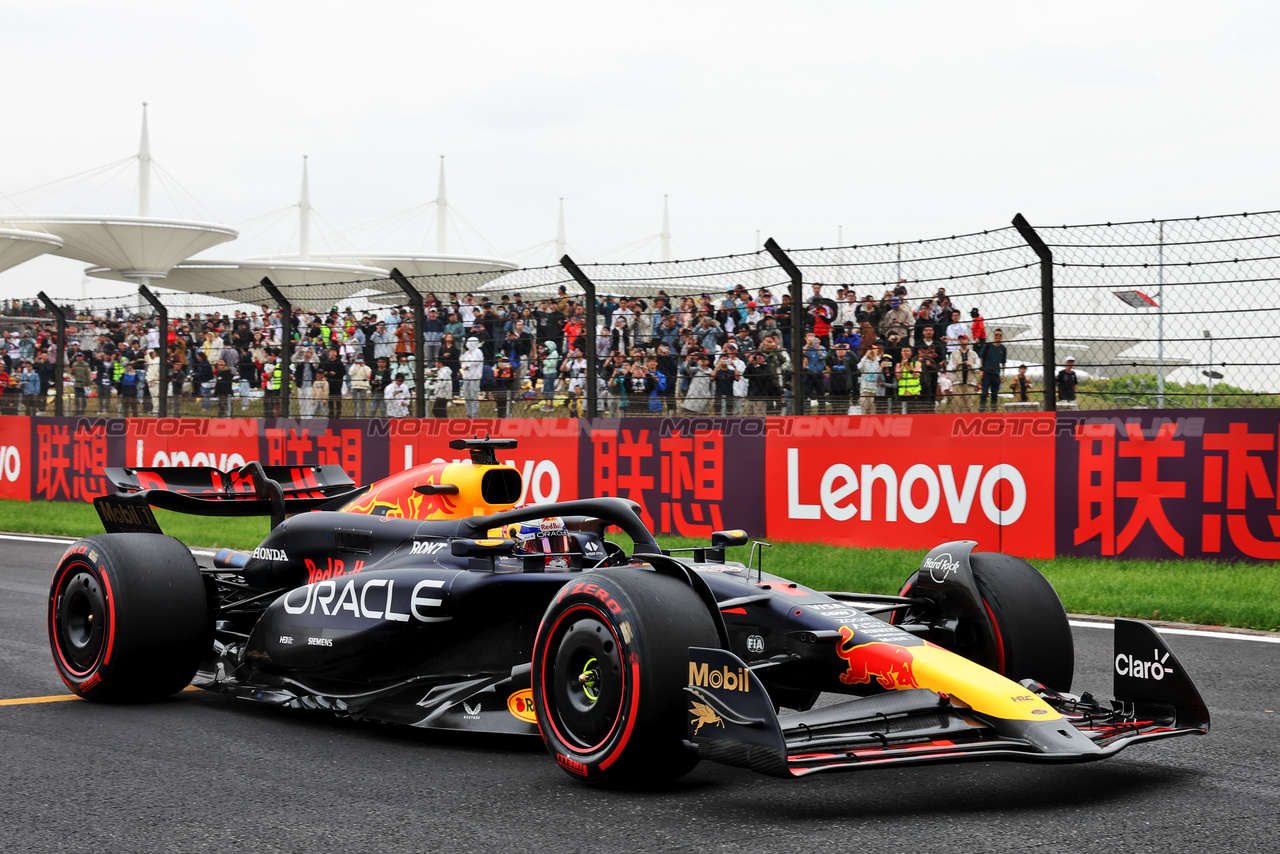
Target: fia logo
<point x="755" y="644"/>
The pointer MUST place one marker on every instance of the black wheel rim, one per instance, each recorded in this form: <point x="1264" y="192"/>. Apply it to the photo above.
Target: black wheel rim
<point x="585" y="680"/>
<point x="80" y="620"/>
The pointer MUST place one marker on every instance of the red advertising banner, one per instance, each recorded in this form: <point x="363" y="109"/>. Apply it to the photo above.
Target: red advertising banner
<point x="69" y="455"/>
<point x="911" y="482"/>
<point x="15" y="457"/>
<point x="317" y="442"/>
<point x="1105" y="484"/>
<point x="546" y="453"/>
<point x="690" y="476"/>
<point x="1183" y="483"/>
<point x="220" y="443"/>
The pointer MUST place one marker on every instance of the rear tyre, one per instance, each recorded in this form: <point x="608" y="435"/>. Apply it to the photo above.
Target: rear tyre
<point x="1029" y="637"/>
<point x="610" y="663"/>
<point x="129" y="618"/>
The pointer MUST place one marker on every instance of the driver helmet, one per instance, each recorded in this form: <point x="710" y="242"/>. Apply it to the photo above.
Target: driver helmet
<point x="547" y="536"/>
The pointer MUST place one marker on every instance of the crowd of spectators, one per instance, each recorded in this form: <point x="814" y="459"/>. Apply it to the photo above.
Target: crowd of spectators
<point x="725" y="354"/>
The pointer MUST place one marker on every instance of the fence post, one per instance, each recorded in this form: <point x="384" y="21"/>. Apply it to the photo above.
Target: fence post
<point x="59" y="363"/>
<point x="1046" y="308"/>
<point x="164" y="346"/>
<point x="419" y="360"/>
<point x="797" y="323"/>
<point x="284" y="370"/>
<point x="589" y="287"/>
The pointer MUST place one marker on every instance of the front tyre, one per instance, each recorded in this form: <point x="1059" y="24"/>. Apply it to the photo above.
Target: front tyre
<point x="1033" y="638"/>
<point x="610" y="663"/>
<point x="1022" y="632"/>
<point x="129" y="617"/>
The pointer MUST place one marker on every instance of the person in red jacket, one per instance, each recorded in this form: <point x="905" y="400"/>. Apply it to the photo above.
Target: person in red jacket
<point x="978" y="328"/>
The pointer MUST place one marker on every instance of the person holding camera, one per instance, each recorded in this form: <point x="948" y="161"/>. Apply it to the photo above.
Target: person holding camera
<point x="443" y="390"/>
<point x="504" y="378"/>
<point x="697" y="369"/>
<point x="886" y="387"/>
<point x="723" y="378"/>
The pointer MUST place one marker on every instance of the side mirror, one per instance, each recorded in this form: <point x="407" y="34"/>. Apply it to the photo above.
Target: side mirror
<point x="724" y="539"/>
<point x="491" y="546"/>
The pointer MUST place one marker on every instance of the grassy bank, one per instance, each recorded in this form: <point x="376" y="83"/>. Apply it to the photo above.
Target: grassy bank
<point x="1227" y="594"/>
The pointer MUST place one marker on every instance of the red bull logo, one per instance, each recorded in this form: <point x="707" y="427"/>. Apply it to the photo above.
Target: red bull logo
<point x="395" y="497"/>
<point x="520" y="704"/>
<point x="888" y="663"/>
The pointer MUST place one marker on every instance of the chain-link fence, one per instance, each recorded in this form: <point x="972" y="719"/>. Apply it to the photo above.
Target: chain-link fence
<point x="1177" y="312"/>
<point x="1158" y="314"/>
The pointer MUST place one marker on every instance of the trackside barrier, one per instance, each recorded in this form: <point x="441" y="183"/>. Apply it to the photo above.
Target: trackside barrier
<point x="1178" y="484"/>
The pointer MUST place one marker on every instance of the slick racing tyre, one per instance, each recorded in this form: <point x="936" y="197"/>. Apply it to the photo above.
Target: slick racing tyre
<point x="610" y="663"/>
<point x="128" y="617"/>
<point x="1029" y="636"/>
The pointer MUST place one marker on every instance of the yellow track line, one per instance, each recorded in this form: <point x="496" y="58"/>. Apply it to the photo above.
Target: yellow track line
<point x="23" y="701"/>
<point x="59" y="698"/>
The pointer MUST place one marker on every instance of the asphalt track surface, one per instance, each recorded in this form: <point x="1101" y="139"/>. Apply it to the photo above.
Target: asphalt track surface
<point x="206" y="773"/>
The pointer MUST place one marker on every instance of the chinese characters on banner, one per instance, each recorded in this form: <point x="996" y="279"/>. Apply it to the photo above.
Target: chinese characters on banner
<point x="69" y="454"/>
<point x="326" y="443"/>
<point x="1155" y="486"/>
<point x="690" y="476"/>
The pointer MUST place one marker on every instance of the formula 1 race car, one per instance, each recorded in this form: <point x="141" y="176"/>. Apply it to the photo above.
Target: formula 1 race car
<point x="430" y="599"/>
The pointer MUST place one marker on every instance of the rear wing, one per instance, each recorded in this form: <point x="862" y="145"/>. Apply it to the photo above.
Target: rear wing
<point x="251" y="490"/>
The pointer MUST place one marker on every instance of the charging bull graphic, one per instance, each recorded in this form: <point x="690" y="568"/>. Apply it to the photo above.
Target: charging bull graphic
<point x="888" y="663"/>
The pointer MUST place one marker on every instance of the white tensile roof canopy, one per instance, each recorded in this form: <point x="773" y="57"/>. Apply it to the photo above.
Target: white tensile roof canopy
<point x="18" y="246"/>
<point x="144" y="249"/>
<point x="140" y="248"/>
<point x="240" y="281"/>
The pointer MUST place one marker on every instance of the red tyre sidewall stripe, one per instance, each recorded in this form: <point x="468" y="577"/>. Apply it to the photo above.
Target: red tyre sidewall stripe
<point x="102" y="659"/>
<point x="560" y="741"/>
<point x="631" y="714"/>
<point x="58" y="658"/>
<point x="995" y="630"/>
<point x="111" y="615"/>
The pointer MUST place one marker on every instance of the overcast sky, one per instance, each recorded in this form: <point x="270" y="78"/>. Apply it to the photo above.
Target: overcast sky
<point x="893" y="121"/>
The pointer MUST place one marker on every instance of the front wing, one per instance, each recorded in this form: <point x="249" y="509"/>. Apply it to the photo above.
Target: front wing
<point x="732" y="719"/>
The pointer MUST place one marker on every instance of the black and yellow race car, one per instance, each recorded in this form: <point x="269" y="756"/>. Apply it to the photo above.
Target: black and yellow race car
<point x="429" y="599"/>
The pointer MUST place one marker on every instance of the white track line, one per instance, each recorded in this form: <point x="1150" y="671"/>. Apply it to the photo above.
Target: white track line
<point x="28" y="538"/>
<point x="1079" y="624"/>
<point x="1195" y="633"/>
<point x="31" y="539"/>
